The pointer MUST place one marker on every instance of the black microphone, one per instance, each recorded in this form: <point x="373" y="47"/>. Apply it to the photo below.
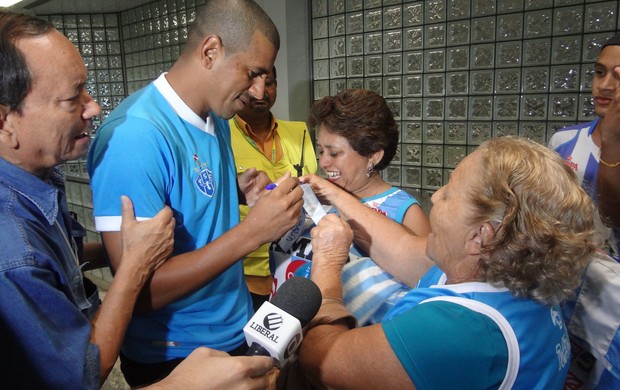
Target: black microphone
<point x="276" y="328"/>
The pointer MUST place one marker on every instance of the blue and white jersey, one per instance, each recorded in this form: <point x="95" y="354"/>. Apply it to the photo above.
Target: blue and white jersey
<point x="157" y="151"/>
<point x="576" y="146"/>
<point x="534" y="354"/>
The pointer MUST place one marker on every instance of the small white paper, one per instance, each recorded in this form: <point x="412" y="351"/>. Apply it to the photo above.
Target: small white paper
<point x="312" y="206"/>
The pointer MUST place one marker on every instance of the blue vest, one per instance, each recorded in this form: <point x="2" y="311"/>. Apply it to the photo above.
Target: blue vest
<point x="537" y="340"/>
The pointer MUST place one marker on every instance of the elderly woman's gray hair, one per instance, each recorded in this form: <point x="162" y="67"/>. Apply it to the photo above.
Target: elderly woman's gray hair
<point x="544" y="220"/>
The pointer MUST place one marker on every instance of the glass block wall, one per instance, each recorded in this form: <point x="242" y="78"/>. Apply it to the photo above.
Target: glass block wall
<point x="122" y="52"/>
<point x="457" y="72"/>
<point x="153" y="36"/>
<point x="98" y="38"/>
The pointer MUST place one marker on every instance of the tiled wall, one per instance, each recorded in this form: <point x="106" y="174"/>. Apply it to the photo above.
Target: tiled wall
<point x="98" y="38"/>
<point x="457" y="72"/>
<point x="454" y="72"/>
<point x="122" y="52"/>
<point x="153" y="35"/>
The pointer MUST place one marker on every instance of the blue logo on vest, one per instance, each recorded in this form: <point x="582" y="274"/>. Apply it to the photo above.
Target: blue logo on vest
<point x="205" y="182"/>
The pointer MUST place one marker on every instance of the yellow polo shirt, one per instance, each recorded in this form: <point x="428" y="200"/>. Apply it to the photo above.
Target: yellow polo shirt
<point x="274" y="158"/>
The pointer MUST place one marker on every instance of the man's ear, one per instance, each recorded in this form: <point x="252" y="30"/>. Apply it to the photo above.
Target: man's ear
<point x="210" y="49"/>
<point x="479" y="236"/>
<point x="8" y="137"/>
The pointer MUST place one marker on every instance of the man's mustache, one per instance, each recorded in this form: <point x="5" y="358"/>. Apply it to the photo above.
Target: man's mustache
<point x="266" y="98"/>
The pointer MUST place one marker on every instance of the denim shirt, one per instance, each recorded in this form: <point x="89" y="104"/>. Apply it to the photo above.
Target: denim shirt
<point x="44" y="323"/>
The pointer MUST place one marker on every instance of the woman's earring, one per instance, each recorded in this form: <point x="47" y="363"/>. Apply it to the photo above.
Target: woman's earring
<point x="371" y="169"/>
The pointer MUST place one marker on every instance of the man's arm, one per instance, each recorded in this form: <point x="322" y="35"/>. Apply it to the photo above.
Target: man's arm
<point x="208" y="369"/>
<point x="272" y="216"/>
<point x="146" y="245"/>
<point x="608" y="177"/>
<point x="94" y="256"/>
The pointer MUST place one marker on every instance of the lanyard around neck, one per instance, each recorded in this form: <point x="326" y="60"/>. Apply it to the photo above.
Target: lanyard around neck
<point x="274" y="150"/>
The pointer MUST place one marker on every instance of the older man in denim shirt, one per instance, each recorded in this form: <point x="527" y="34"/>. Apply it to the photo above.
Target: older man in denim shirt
<point x="37" y="258"/>
<point x="45" y="313"/>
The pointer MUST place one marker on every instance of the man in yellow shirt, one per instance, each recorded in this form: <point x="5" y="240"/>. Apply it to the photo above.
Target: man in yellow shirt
<point x="274" y="146"/>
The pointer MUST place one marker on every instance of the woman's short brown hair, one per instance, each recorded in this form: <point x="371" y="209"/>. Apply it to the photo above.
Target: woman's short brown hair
<point x="363" y="118"/>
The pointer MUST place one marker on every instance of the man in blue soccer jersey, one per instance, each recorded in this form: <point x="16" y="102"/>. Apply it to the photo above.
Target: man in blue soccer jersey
<point x="56" y="334"/>
<point x="169" y="144"/>
<point x="581" y="145"/>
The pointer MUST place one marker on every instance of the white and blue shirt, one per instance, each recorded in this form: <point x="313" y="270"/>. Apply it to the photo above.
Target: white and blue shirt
<point x="576" y="146"/>
<point x="156" y="150"/>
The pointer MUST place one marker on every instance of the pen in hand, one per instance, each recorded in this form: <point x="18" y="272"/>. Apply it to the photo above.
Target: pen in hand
<point x="272" y="186"/>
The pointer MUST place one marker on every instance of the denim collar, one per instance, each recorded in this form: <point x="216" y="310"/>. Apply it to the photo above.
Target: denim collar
<point x="43" y="195"/>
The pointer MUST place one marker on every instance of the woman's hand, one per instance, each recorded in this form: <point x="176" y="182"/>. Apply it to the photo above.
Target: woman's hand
<point x="326" y="192"/>
<point x="331" y="240"/>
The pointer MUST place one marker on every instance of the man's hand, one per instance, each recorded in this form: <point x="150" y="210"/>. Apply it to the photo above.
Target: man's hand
<point x="252" y="184"/>
<point x="276" y="210"/>
<point x="147" y="244"/>
<point x="208" y="369"/>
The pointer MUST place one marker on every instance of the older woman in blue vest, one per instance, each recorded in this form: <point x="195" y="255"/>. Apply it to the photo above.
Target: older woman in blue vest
<point x="511" y="234"/>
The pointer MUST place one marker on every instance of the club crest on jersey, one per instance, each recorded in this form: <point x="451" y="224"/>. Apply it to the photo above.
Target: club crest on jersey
<point x="204" y="181"/>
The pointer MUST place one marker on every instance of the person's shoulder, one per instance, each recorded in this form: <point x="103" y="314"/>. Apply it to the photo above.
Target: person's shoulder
<point x="137" y="101"/>
<point x="141" y="107"/>
<point x="566" y="134"/>
<point x="478" y="351"/>
<point x="291" y="122"/>
<point x="16" y="239"/>
<point x="578" y="126"/>
<point x="124" y="133"/>
<point x="292" y="126"/>
<point x="136" y="125"/>
<point x="573" y="129"/>
<point x="401" y="194"/>
<point x="433" y="319"/>
<point x="448" y="307"/>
